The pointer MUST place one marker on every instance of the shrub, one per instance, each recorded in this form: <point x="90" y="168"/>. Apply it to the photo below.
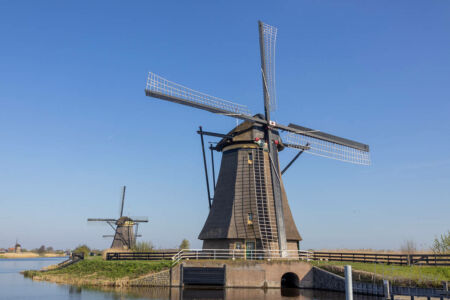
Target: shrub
<point x="82" y="248"/>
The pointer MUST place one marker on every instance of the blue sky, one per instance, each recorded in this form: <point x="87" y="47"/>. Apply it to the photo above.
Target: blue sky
<point x="75" y="124"/>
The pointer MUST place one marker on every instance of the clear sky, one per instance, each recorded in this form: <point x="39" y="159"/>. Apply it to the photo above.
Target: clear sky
<point x="75" y="124"/>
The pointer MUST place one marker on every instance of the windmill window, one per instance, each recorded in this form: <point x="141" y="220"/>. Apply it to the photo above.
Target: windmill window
<point x="238" y="245"/>
<point x="250" y="157"/>
<point x="250" y="219"/>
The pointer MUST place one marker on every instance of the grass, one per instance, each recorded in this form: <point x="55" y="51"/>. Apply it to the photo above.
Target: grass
<point x="403" y="275"/>
<point x="97" y="269"/>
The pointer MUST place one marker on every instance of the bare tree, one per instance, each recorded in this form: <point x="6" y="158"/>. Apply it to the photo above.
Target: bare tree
<point x="409" y="247"/>
<point x="143" y="247"/>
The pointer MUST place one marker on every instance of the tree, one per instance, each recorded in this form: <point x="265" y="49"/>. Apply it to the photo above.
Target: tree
<point x="408" y="247"/>
<point x="41" y="250"/>
<point x="143" y="247"/>
<point x="49" y="249"/>
<point x="82" y="248"/>
<point x="184" y="244"/>
<point x="442" y="245"/>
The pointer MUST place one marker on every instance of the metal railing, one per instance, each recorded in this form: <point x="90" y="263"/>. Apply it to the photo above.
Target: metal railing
<point x="242" y="254"/>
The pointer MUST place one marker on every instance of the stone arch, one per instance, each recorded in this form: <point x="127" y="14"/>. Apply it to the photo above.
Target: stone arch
<point x="290" y="280"/>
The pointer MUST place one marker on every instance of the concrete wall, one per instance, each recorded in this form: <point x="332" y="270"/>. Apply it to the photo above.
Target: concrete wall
<point x="253" y="274"/>
<point x="325" y="280"/>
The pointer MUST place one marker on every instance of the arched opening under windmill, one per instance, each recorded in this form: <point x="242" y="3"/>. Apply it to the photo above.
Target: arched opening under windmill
<point x="290" y="280"/>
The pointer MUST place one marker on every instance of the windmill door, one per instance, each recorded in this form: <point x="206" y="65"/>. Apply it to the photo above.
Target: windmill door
<point x="250" y="250"/>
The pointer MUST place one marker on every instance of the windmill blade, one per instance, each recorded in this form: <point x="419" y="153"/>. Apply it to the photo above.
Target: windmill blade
<point x="139" y="219"/>
<point x="327" y="145"/>
<point x="123" y="200"/>
<point x="108" y="235"/>
<point x="267" y="40"/>
<point x="161" y="88"/>
<point x="101" y="220"/>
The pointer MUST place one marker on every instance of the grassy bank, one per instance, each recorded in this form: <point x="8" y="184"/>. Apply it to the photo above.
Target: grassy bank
<point x="424" y="276"/>
<point x="100" y="272"/>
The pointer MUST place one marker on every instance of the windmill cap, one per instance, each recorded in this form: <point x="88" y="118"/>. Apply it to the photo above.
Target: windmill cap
<point x="123" y="220"/>
<point x="247" y="133"/>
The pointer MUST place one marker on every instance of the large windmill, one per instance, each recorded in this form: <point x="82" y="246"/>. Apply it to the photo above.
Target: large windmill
<point x="124" y="233"/>
<point x="250" y="208"/>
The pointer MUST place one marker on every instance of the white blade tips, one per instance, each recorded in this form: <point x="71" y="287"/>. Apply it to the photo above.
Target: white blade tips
<point x="328" y="149"/>
<point x="269" y="38"/>
<point x="158" y="86"/>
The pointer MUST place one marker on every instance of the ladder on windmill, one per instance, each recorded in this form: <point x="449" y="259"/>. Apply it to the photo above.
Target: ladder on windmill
<point x="267" y="233"/>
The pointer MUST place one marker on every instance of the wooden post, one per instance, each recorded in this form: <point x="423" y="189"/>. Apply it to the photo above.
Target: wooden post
<point x="348" y="283"/>
<point x="181" y="274"/>
<point x="387" y="290"/>
<point x="445" y="289"/>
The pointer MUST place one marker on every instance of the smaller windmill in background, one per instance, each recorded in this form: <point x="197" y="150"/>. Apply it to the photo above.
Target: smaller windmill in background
<point x="124" y="227"/>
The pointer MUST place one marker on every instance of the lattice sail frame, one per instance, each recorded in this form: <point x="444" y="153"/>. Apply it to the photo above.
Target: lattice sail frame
<point x="158" y="84"/>
<point x="269" y="42"/>
<point x="329" y="149"/>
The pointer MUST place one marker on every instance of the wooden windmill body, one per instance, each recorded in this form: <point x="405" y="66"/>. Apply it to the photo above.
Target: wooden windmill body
<point x="243" y="212"/>
<point x="249" y="209"/>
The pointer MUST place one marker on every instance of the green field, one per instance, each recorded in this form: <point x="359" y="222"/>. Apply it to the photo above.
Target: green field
<point x="96" y="268"/>
<point x="404" y="275"/>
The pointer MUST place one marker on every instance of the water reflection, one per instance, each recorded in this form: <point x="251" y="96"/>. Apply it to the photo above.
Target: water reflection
<point x="227" y="294"/>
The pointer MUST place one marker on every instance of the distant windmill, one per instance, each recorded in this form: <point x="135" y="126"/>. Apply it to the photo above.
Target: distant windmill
<point x="250" y="208"/>
<point x="125" y="235"/>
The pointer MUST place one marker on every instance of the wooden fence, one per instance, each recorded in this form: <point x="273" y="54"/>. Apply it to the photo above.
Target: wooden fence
<point x="390" y="259"/>
<point x="140" y="255"/>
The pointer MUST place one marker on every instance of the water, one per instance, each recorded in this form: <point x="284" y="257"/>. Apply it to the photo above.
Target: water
<point x="14" y="286"/>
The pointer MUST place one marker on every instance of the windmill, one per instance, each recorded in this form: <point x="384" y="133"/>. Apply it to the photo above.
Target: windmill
<point x="124" y="233"/>
<point x="249" y="209"/>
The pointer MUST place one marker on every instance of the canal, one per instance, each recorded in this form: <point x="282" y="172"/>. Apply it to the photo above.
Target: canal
<point x="14" y="286"/>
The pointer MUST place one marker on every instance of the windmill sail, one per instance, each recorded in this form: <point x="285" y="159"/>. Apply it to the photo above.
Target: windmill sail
<point x="268" y="40"/>
<point x="123" y="200"/>
<point x="162" y="88"/>
<point x="327" y="145"/>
